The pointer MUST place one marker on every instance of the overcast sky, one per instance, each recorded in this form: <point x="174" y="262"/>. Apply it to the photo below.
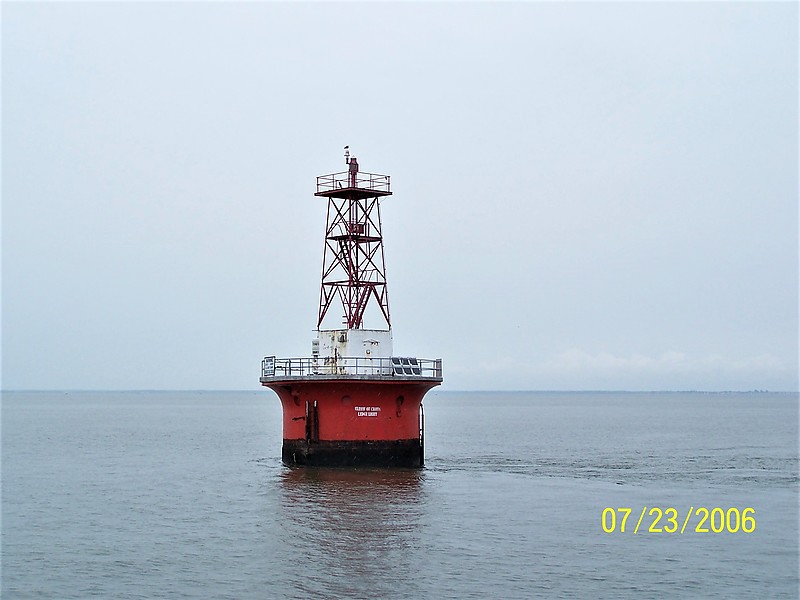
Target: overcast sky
<point x="586" y="196"/>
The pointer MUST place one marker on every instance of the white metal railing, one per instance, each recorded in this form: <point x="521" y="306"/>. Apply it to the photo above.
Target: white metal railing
<point x="364" y="181"/>
<point x="351" y="365"/>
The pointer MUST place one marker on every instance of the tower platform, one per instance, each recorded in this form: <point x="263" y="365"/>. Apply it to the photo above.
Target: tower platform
<point x="357" y="187"/>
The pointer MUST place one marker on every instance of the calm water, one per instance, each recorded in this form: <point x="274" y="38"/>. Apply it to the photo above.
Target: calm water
<point x="182" y="495"/>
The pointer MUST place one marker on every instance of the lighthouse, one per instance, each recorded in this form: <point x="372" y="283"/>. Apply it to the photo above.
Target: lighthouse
<point x="352" y="402"/>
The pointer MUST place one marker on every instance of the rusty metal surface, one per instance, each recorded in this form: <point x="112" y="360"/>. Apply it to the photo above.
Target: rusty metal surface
<point x="355" y="453"/>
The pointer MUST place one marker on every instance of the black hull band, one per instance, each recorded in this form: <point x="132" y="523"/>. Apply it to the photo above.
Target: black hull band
<point x="384" y="453"/>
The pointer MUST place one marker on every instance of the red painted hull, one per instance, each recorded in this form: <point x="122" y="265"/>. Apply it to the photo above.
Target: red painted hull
<point x="358" y="421"/>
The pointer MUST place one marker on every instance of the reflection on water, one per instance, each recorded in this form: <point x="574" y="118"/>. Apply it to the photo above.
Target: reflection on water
<point x="358" y="530"/>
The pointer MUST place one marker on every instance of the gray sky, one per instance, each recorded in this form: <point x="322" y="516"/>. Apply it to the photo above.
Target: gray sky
<point x="586" y="196"/>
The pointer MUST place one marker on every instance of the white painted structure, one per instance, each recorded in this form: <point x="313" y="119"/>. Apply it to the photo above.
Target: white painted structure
<point x="333" y="345"/>
<point x="366" y="343"/>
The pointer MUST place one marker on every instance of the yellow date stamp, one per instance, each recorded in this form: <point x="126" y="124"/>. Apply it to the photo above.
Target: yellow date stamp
<point x="672" y="520"/>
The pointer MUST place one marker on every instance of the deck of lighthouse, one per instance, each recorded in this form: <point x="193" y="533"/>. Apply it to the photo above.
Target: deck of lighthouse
<point x="383" y="369"/>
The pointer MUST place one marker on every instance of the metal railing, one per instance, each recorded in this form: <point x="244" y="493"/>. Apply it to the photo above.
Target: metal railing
<point x="394" y="366"/>
<point x="364" y="181"/>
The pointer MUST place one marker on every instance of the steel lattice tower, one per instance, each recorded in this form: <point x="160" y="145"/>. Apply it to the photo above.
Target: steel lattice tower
<point x="353" y="268"/>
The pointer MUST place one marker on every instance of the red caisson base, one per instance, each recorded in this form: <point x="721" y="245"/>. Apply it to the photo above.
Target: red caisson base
<point x="352" y="422"/>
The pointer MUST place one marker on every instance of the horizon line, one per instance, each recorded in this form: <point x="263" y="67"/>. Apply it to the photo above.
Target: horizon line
<point x="461" y="391"/>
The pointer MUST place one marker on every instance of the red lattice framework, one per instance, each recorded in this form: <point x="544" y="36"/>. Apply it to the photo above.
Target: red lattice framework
<point x="353" y="268"/>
